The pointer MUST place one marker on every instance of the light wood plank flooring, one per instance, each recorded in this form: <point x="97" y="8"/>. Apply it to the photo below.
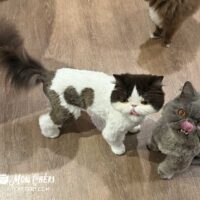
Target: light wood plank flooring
<point x="105" y="35"/>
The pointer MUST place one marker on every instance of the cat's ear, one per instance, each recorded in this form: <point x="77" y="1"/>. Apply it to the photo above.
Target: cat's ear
<point x="188" y="90"/>
<point x="120" y="78"/>
<point x="157" y="82"/>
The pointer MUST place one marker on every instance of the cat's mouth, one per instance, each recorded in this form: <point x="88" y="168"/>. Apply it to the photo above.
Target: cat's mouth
<point x="187" y="127"/>
<point x="133" y="112"/>
<point x="184" y="132"/>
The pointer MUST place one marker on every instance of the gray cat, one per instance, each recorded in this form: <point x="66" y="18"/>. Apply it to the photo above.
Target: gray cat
<point x="177" y="133"/>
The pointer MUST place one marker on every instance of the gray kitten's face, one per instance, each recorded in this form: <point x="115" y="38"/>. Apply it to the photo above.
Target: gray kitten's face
<point x="183" y="113"/>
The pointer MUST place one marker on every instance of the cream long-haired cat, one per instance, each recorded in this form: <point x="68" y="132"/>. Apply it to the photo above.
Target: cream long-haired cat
<point x="116" y="104"/>
<point x="168" y="15"/>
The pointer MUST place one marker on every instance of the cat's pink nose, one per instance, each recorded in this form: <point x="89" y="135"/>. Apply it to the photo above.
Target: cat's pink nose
<point x="187" y="126"/>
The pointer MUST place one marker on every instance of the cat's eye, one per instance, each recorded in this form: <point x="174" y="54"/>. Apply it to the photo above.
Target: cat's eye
<point x="122" y="99"/>
<point x="144" y="102"/>
<point x="181" y="112"/>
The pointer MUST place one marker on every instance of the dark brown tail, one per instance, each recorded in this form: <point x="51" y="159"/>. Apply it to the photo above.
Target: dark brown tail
<point x="22" y="71"/>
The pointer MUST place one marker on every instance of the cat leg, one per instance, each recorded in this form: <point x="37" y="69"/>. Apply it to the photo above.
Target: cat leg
<point x="50" y="123"/>
<point x="172" y="165"/>
<point x="152" y="145"/>
<point x="168" y="33"/>
<point x="114" y="139"/>
<point x="48" y="127"/>
<point x="61" y="111"/>
<point x="167" y="39"/>
<point x="135" y="129"/>
<point x="157" y="33"/>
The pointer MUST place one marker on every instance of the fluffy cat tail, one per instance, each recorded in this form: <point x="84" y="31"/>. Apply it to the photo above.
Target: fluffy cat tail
<point x="22" y="71"/>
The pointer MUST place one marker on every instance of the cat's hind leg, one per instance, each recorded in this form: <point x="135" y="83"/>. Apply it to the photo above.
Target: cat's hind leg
<point x="157" y="33"/>
<point x="168" y="34"/>
<point x="172" y="165"/>
<point x="48" y="127"/>
<point x="50" y="123"/>
<point x="169" y="30"/>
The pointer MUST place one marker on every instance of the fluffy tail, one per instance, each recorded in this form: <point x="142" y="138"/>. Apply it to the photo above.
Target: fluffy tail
<point x="22" y="71"/>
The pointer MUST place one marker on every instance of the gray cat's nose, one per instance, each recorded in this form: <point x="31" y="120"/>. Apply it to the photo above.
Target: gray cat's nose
<point x="133" y="105"/>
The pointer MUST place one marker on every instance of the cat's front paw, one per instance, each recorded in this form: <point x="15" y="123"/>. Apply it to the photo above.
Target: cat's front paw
<point x="163" y="173"/>
<point x="118" y="150"/>
<point x="136" y="129"/>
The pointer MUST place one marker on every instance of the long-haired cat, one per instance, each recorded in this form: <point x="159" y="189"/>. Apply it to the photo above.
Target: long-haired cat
<point x="177" y="133"/>
<point x="168" y="15"/>
<point x="116" y="104"/>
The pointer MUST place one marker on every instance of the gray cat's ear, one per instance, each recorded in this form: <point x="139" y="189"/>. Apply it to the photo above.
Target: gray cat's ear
<point x="158" y="81"/>
<point x="188" y="90"/>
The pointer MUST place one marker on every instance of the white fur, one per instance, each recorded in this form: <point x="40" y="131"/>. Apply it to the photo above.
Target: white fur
<point x="48" y="128"/>
<point x="72" y="109"/>
<point x="123" y="107"/>
<point x="135" y="129"/>
<point x="135" y="98"/>
<point x="145" y="109"/>
<point x="155" y="17"/>
<point x="114" y="120"/>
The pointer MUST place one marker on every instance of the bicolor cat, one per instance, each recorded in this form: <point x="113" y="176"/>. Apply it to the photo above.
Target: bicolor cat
<point x="116" y="104"/>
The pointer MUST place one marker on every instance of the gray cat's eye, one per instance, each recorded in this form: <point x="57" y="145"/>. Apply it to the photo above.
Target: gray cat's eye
<point x="181" y="112"/>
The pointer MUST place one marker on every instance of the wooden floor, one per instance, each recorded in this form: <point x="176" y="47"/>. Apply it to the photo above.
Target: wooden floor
<point x="106" y="35"/>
